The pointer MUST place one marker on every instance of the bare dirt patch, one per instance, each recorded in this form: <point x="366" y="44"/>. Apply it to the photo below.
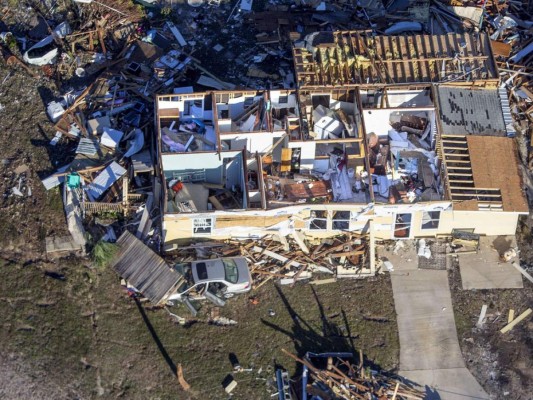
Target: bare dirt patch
<point x="502" y="363"/>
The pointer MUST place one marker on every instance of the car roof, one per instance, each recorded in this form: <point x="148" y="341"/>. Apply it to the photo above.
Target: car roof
<point x="208" y="270"/>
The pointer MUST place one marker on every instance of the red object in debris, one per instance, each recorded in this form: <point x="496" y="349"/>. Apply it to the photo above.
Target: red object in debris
<point x="177" y="186"/>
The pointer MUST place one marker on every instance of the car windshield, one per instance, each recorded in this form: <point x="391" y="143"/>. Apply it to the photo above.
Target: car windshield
<point x="201" y="270"/>
<point x="230" y="270"/>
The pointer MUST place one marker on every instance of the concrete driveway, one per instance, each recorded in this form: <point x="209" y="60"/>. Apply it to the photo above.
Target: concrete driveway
<point x="429" y="349"/>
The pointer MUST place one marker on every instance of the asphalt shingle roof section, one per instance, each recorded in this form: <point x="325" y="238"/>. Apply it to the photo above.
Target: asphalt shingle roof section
<point x="465" y="111"/>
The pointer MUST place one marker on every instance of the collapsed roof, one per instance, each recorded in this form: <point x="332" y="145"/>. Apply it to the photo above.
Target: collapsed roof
<point x="352" y="58"/>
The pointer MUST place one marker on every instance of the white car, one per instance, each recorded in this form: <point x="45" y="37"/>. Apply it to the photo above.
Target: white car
<point x="214" y="279"/>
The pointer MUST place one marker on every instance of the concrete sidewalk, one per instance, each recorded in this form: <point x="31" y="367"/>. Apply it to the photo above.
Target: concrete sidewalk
<point x="429" y="349"/>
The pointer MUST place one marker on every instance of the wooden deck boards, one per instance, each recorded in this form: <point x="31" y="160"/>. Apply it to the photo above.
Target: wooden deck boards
<point x="143" y="268"/>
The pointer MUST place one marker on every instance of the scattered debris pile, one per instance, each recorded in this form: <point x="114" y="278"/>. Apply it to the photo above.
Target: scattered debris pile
<point x="336" y="376"/>
<point x="290" y="259"/>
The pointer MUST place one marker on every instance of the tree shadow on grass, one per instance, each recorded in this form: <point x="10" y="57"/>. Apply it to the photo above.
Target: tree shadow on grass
<point x="157" y="341"/>
<point x="307" y="338"/>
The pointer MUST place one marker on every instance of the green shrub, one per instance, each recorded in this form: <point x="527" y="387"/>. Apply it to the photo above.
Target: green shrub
<point x="103" y="253"/>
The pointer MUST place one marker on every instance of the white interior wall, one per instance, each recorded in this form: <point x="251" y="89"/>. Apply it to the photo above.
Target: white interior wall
<point x="257" y="143"/>
<point x="191" y="161"/>
<point x="274" y="99"/>
<point x="234" y="173"/>
<point x="225" y="125"/>
<point x="377" y="121"/>
<point x="236" y="105"/>
<point x="404" y="98"/>
<point x="307" y="155"/>
<point x="321" y="165"/>
<point x="164" y="105"/>
<point x="180" y="105"/>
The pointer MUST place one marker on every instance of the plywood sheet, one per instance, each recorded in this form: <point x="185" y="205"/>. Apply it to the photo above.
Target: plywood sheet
<point x="494" y="163"/>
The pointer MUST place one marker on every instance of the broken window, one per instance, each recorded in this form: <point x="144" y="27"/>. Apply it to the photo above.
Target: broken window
<point x="341" y="220"/>
<point x="320" y="100"/>
<point x="203" y="226"/>
<point x="402" y="225"/>
<point x="318" y="220"/>
<point x="430" y="219"/>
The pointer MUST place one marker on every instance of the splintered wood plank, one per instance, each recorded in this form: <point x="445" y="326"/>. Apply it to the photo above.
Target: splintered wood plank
<point x="439" y="52"/>
<point x="392" y="57"/>
<point x="489" y="64"/>
<point x="398" y="56"/>
<point x="475" y="62"/>
<point x="422" y="51"/>
<point x="430" y="53"/>
<point x="405" y="54"/>
<point x="382" y="54"/>
<point x="413" y="55"/>
<point x="355" y="68"/>
<point x="341" y="56"/>
<point x="413" y="46"/>
<point x="523" y="272"/>
<point x="518" y="319"/>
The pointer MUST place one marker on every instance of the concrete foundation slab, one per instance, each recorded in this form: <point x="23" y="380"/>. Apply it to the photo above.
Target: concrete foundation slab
<point x="447" y="384"/>
<point x="484" y="270"/>
<point x="430" y="355"/>
<point x="428" y="338"/>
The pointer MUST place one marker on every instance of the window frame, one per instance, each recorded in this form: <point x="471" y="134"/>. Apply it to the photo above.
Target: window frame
<point x="409" y="227"/>
<point x="341" y="220"/>
<point x="312" y="219"/>
<point x="431" y="220"/>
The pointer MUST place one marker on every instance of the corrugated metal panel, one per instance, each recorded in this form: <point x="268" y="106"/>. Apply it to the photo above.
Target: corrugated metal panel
<point x="143" y="268"/>
<point x="104" y="180"/>
<point x="87" y="146"/>
<point x="52" y="181"/>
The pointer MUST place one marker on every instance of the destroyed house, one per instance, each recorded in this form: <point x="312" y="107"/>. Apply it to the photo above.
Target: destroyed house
<point x="402" y="160"/>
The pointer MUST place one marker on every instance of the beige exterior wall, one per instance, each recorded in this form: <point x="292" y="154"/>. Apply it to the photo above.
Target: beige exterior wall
<point x="179" y="227"/>
<point x="490" y="223"/>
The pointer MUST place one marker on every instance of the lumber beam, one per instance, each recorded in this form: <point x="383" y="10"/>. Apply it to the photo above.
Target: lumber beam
<point x="515" y="322"/>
